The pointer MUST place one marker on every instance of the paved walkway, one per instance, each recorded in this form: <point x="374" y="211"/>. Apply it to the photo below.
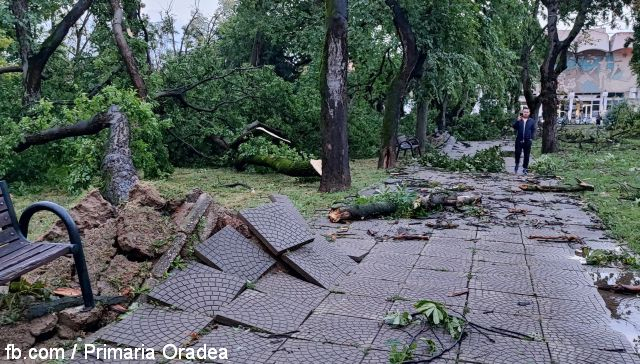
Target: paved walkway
<point x="530" y="301"/>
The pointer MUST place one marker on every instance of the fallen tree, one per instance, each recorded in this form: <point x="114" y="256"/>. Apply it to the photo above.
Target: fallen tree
<point x="620" y="288"/>
<point x="279" y="164"/>
<point x="390" y="206"/>
<point x="581" y="186"/>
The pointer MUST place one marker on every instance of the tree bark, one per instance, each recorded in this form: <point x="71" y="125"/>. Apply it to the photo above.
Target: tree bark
<point x="33" y="64"/>
<point x="394" y="101"/>
<point x="336" y="175"/>
<point x="89" y="127"/>
<point x="117" y="167"/>
<point x="442" y="115"/>
<point x="125" y="51"/>
<point x="256" y="50"/>
<point x="421" y="123"/>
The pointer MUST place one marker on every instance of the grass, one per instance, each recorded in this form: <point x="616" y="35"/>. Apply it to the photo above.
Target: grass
<point x="607" y="168"/>
<point x="303" y="192"/>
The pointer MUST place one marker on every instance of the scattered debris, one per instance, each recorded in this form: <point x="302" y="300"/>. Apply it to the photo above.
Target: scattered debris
<point x="441" y="225"/>
<point x="582" y="186"/>
<point x="571" y="238"/>
<point x="410" y="237"/>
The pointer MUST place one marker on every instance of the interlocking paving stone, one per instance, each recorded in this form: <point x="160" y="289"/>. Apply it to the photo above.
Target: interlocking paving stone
<point x="433" y="278"/>
<point x="490" y="301"/>
<point x="443" y="264"/>
<point x="478" y="349"/>
<point x="440" y="294"/>
<point x="277" y="226"/>
<point x="243" y="346"/>
<point x="399" y="260"/>
<point x="265" y="312"/>
<point x="455" y="233"/>
<point x="499" y="268"/>
<point x="282" y="285"/>
<point x="389" y="336"/>
<point x="500" y="247"/>
<point x="537" y="250"/>
<point x="155" y="327"/>
<point x="400" y="246"/>
<point x="574" y="277"/>
<point x="506" y="237"/>
<point x="448" y="252"/>
<point x="511" y="283"/>
<point x="381" y="356"/>
<point x="310" y="352"/>
<point x="314" y="265"/>
<point x="587" y="311"/>
<point x="527" y="325"/>
<point x="355" y="248"/>
<point x="496" y="257"/>
<point x="372" y="308"/>
<point x="592" y="336"/>
<point x="331" y="252"/>
<point x="564" y="291"/>
<point x="199" y="292"/>
<point x="381" y="271"/>
<point x="363" y="286"/>
<point x="336" y="329"/>
<point x="562" y="353"/>
<point x="231" y="252"/>
<point x="543" y="262"/>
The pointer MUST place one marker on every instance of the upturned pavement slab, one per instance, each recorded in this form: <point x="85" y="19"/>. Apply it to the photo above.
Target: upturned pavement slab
<point x="243" y="346"/>
<point x="277" y="226"/>
<point x="283" y="285"/>
<point x="268" y="313"/>
<point x="154" y="327"/>
<point x="231" y="252"/>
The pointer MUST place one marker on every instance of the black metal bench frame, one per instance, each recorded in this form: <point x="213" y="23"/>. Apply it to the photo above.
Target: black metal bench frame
<point x="19" y="256"/>
<point x="404" y="144"/>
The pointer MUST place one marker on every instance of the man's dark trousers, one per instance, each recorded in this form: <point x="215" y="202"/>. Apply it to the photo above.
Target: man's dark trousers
<point x="526" y="146"/>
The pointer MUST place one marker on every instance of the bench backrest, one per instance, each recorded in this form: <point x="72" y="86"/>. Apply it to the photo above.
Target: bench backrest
<point x="401" y="138"/>
<point x="8" y="221"/>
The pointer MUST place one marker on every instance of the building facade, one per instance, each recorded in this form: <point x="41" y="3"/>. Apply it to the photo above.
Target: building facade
<point x="598" y="76"/>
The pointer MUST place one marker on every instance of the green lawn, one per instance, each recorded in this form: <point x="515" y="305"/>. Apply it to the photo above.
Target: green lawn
<point x="607" y="168"/>
<point x="304" y="193"/>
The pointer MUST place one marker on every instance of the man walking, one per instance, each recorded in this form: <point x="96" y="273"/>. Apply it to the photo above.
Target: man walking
<point x="525" y="132"/>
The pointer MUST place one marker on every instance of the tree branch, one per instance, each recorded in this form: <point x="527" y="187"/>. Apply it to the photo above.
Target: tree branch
<point x="10" y="69"/>
<point x="125" y="51"/>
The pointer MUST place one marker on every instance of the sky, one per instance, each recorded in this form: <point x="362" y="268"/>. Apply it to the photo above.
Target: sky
<point x="180" y="8"/>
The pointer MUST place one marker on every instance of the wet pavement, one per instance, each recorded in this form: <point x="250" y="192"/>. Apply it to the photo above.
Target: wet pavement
<point x="526" y="300"/>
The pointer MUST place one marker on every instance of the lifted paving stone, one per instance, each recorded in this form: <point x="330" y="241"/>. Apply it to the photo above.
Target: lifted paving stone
<point x="268" y="313"/>
<point x="231" y="252"/>
<point x="198" y="292"/>
<point x="282" y="285"/>
<point x="154" y="327"/>
<point x="314" y="265"/>
<point x="277" y="226"/>
<point x="243" y="346"/>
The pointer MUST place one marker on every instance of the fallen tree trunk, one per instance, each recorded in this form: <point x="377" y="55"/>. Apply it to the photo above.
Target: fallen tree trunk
<point x="280" y="165"/>
<point x="384" y="208"/>
<point x="581" y="186"/>
<point x="620" y="288"/>
<point x="118" y="170"/>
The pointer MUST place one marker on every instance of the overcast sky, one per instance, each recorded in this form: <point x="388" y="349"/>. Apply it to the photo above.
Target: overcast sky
<point x="180" y="8"/>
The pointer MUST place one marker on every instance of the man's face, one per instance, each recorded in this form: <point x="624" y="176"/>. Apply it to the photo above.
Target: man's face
<point x="525" y="113"/>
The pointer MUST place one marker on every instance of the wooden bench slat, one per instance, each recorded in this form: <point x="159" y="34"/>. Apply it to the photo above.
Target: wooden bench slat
<point x="11" y="247"/>
<point x="46" y="253"/>
<point x="20" y="254"/>
<point x="8" y="235"/>
<point x="5" y="219"/>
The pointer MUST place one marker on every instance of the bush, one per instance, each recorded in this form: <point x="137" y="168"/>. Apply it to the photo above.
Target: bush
<point x="623" y="117"/>
<point x="487" y="160"/>
<point x="481" y="126"/>
<point x="545" y="165"/>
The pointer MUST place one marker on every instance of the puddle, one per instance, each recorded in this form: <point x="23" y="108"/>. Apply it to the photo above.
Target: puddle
<point x="625" y="308"/>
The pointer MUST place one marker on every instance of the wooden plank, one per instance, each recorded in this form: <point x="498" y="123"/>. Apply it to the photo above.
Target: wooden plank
<point x="3" y="204"/>
<point x="49" y="253"/>
<point x="11" y="247"/>
<point x="5" y="219"/>
<point x="29" y="251"/>
<point x="8" y="235"/>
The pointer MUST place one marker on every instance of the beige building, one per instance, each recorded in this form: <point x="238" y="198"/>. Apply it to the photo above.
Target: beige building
<point x="598" y="76"/>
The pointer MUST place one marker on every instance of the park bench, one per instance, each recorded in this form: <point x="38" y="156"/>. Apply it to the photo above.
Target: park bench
<point x="19" y="256"/>
<point x="405" y="144"/>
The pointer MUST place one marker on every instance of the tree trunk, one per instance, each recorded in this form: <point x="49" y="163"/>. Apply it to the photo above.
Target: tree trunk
<point x="280" y="165"/>
<point x="421" y="123"/>
<point x="394" y="101"/>
<point x="117" y="167"/>
<point x="20" y="9"/>
<point x="256" y="50"/>
<point x="549" y="100"/>
<point x="125" y="51"/>
<point x="336" y="175"/>
<point x="442" y="115"/>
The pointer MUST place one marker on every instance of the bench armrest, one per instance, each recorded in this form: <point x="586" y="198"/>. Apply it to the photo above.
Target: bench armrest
<point x="67" y="220"/>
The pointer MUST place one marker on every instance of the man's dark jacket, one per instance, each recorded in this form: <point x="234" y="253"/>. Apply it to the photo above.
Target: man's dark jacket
<point x="525" y="130"/>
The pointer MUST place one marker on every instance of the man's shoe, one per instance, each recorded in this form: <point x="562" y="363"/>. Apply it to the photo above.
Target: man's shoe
<point x="515" y="170"/>
<point x="525" y="171"/>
